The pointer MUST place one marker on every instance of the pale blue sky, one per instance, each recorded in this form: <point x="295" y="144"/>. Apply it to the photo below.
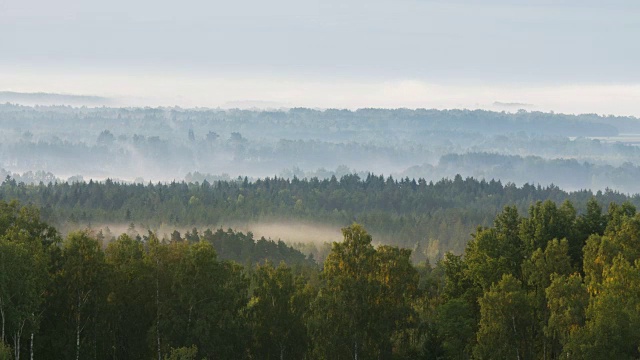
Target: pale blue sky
<point x="495" y="43"/>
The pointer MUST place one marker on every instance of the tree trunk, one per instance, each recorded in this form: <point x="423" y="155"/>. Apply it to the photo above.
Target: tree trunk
<point x="355" y="350"/>
<point x="78" y="330"/>
<point x="31" y="348"/>
<point x="2" y="313"/>
<point x="16" y="348"/>
<point x="513" y="321"/>
<point x="16" y="341"/>
<point x="158" y="310"/>
<point x="189" y="319"/>
<point x="78" y="340"/>
<point x="16" y="345"/>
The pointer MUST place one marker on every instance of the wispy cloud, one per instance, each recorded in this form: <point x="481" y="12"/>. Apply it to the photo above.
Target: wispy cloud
<point x="327" y="92"/>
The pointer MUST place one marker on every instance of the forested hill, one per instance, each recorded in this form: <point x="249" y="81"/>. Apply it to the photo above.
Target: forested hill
<point x="428" y="217"/>
<point x="165" y="144"/>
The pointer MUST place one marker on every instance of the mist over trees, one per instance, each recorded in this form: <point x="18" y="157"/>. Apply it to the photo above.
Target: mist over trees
<point x="547" y="283"/>
<point x="456" y="252"/>
<point x="429" y="217"/>
<point x="164" y="144"/>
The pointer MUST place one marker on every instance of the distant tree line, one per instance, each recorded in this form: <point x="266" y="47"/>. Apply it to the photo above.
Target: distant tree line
<point x="428" y="217"/>
<point x="568" y="174"/>
<point x="167" y="143"/>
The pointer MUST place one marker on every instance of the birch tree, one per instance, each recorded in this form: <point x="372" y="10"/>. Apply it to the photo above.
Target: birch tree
<point x="83" y="276"/>
<point x="276" y="311"/>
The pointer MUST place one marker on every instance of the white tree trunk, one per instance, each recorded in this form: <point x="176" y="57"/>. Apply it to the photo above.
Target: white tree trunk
<point x="16" y="345"/>
<point x="78" y="340"/>
<point x="2" y="313"/>
<point x="355" y="350"/>
<point x="78" y="330"/>
<point x="31" y="347"/>
<point x="189" y="319"/>
<point x="158" y="310"/>
<point x="16" y="341"/>
<point x="513" y="321"/>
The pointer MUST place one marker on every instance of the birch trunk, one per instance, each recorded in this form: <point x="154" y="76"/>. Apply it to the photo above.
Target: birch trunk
<point x="158" y="310"/>
<point x="16" y="341"/>
<point x="189" y="319"/>
<point x="513" y="321"/>
<point x="2" y="313"/>
<point x="78" y="330"/>
<point x="355" y="350"/>
<point x="31" y="348"/>
<point x="16" y="345"/>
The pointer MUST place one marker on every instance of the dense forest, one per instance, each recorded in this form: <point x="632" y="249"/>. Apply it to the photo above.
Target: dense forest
<point x="428" y="217"/>
<point x="139" y="233"/>
<point x="46" y="143"/>
<point x="549" y="284"/>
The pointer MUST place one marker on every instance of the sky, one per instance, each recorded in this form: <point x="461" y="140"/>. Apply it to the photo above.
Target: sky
<point x="563" y="55"/>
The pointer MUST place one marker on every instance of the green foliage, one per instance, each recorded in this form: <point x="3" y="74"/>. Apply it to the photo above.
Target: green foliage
<point x="276" y="313"/>
<point x="131" y="293"/>
<point x="456" y="327"/>
<point x="245" y="250"/>
<point x="505" y="322"/>
<point x="613" y="318"/>
<point x="429" y="217"/>
<point x="5" y="351"/>
<point x="141" y="297"/>
<point x="365" y="300"/>
<point x="567" y="300"/>
<point x="183" y="353"/>
<point x="496" y="251"/>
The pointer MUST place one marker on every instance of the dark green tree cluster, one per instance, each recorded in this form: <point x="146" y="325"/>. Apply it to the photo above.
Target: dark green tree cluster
<point x="142" y="298"/>
<point x="244" y="249"/>
<point x="548" y="286"/>
<point x="428" y="217"/>
<point x="553" y="284"/>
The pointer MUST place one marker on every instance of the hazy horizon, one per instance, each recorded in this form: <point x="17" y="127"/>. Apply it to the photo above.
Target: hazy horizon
<point x="568" y="56"/>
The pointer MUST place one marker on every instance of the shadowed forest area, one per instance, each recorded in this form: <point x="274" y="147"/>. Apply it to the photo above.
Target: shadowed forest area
<point x="545" y="284"/>
<point x="426" y="217"/>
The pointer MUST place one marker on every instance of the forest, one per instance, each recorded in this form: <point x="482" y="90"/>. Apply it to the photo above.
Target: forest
<point x="49" y="143"/>
<point x="319" y="180"/>
<point x="429" y="218"/>
<point x="143" y="233"/>
<point x="548" y="283"/>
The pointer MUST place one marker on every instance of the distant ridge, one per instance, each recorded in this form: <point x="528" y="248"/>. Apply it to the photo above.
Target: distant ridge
<point x="254" y="105"/>
<point x="512" y="104"/>
<point x="42" y="98"/>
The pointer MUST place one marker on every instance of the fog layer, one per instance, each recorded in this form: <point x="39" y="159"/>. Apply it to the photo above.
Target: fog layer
<point x="165" y="144"/>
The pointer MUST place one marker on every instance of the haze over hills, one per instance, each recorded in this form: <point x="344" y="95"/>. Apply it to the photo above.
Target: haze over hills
<point x="47" y="99"/>
<point x="164" y="144"/>
<point x="319" y="179"/>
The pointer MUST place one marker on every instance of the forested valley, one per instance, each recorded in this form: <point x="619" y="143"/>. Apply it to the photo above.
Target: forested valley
<point x="319" y="180"/>
<point x="60" y="143"/>
<point x="429" y="218"/>
<point x="169" y="233"/>
<point x="547" y="283"/>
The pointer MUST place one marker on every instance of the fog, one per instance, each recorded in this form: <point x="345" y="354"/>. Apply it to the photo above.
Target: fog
<point x="62" y="143"/>
<point x="274" y="91"/>
<point x="313" y="239"/>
